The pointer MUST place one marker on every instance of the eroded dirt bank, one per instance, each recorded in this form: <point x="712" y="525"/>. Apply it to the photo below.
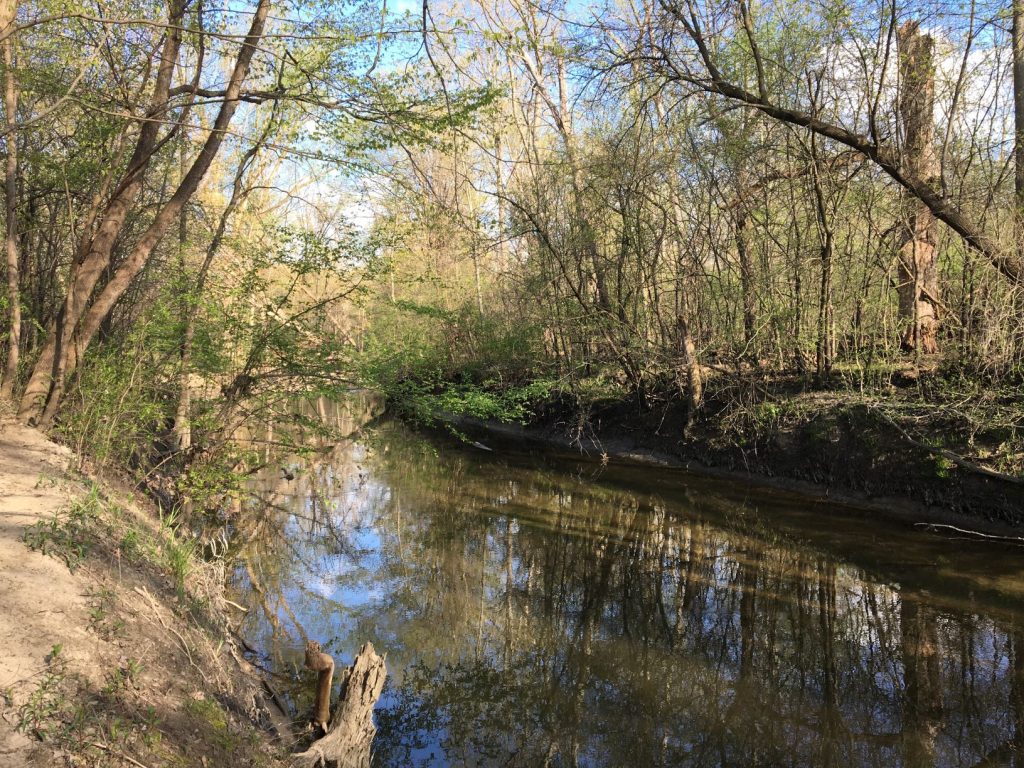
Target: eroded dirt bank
<point x="839" y="448"/>
<point x="116" y="649"/>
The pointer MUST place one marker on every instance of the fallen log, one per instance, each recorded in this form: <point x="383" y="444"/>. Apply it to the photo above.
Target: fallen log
<point x="350" y="734"/>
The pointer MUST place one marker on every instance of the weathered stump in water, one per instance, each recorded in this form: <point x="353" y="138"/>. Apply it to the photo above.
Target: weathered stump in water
<point x="350" y="734"/>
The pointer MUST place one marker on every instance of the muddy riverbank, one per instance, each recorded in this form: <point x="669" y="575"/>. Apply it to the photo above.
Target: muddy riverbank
<point x="843" y="449"/>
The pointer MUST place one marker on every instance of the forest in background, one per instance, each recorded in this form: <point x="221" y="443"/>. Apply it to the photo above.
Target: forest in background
<point x="741" y="214"/>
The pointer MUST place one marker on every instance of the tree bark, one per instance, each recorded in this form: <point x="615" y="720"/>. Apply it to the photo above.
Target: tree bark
<point x="918" y="264"/>
<point x="1018" y="113"/>
<point x="825" y="343"/>
<point x="1017" y="36"/>
<point x="689" y="369"/>
<point x="742" y="235"/>
<point x="10" y="375"/>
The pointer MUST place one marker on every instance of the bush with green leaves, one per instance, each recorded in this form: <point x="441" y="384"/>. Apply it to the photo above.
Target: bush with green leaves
<point x="427" y="360"/>
<point x="119" y="403"/>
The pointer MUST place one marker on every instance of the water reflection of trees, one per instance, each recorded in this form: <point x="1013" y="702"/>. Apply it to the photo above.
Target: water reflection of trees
<point x="531" y="620"/>
<point x="293" y="517"/>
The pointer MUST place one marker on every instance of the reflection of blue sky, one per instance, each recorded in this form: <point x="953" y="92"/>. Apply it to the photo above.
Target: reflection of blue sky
<point x="418" y="566"/>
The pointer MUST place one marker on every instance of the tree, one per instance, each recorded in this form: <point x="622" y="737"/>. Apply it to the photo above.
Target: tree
<point x="10" y="373"/>
<point x="82" y="312"/>
<point x="918" y="264"/>
<point x="1017" y="43"/>
<point x="706" y="73"/>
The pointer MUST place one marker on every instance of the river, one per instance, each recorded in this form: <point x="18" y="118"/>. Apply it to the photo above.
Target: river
<point x="550" y="611"/>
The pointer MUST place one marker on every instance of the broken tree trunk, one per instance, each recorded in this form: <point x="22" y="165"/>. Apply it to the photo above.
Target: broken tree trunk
<point x="323" y="664"/>
<point x="351" y="731"/>
<point x="918" y="263"/>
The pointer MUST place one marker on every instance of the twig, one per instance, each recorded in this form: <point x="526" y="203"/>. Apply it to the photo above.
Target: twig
<point x="145" y="593"/>
<point x="960" y="461"/>
<point x="934" y="526"/>
<point x="276" y="697"/>
<point x="116" y="753"/>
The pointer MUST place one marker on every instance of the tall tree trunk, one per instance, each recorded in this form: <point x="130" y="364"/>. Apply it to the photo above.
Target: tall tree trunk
<point x="182" y="422"/>
<point x="1018" y="114"/>
<point x="136" y="259"/>
<point x="687" y="353"/>
<point x="686" y="349"/>
<point x="10" y="376"/>
<point x="94" y="252"/>
<point x="825" y="351"/>
<point x="589" y="259"/>
<point x="475" y="253"/>
<point x="742" y="235"/>
<point x="1018" y="148"/>
<point x="825" y="346"/>
<point x="183" y="415"/>
<point x="918" y="267"/>
<point x="499" y="186"/>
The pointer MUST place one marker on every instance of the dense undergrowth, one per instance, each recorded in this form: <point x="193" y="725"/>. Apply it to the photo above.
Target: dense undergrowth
<point x="431" y="364"/>
<point x="475" y="368"/>
<point x="937" y="431"/>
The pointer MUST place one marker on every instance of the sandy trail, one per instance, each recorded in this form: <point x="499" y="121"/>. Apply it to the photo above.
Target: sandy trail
<point x="40" y="601"/>
<point x="144" y="671"/>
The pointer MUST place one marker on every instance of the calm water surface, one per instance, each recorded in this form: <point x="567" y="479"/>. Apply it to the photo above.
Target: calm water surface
<point x="551" y="612"/>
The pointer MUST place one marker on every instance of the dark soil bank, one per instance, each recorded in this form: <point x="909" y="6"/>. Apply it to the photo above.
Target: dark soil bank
<point x="818" y="444"/>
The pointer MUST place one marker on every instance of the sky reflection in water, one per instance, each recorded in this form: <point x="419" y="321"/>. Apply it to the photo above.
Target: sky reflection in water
<point x="562" y="615"/>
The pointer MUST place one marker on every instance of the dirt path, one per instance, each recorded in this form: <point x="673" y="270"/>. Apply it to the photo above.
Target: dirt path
<point x="41" y="604"/>
<point x="146" y="669"/>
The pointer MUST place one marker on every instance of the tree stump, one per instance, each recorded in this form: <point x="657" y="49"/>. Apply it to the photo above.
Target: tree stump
<point x="350" y="734"/>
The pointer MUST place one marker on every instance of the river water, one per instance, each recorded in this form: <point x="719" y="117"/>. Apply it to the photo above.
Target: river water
<point x="539" y="611"/>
